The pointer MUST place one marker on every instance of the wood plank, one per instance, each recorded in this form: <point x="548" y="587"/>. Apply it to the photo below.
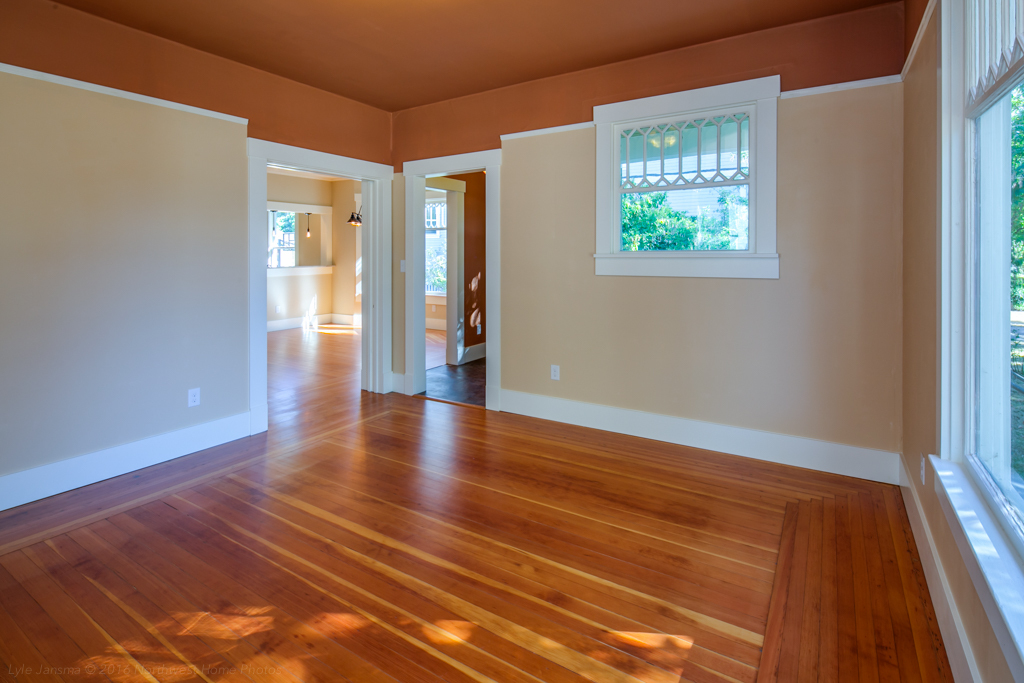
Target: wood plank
<point x="383" y="538"/>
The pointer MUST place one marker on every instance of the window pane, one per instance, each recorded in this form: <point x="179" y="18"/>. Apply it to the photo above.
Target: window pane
<point x="1000" y="303"/>
<point x="690" y="134"/>
<point x="672" y="154"/>
<point x="281" y="248"/>
<point x="730" y="148"/>
<point x="636" y="157"/>
<point x="698" y="219"/>
<point x="623" y="160"/>
<point x="653" y="156"/>
<point x="745" y="145"/>
<point x="437" y="261"/>
<point x="709" y="150"/>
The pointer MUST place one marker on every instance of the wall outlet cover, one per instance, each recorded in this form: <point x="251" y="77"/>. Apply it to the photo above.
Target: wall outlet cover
<point x="279" y="309"/>
<point x="479" y="329"/>
<point x="193" y="397"/>
<point x="555" y="372"/>
<point x="401" y="265"/>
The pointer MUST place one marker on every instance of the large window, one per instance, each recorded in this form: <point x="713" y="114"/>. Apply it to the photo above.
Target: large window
<point x="686" y="183"/>
<point x="999" y="301"/>
<point x="436" y="220"/>
<point x="281" y="236"/>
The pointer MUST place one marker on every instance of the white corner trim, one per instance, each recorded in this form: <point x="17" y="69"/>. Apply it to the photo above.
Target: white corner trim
<point x="296" y="271"/>
<point x="49" y="480"/>
<point x="954" y="636"/>
<point x="825" y="456"/>
<point x="838" y="87"/>
<point x="547" y="131"/>
<point x="300" y="208"/>
<point x="436" y="324"/>
<point x="455" y="163"/>
<point x="474" y="352"/>
<point x="925" y="18"/>
<point x="991" y="561"/>
<point x="292" y="323"/>
<point x="114" y="92"/>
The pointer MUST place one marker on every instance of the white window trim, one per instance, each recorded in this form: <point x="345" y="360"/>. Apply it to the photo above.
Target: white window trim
<point x="762" y="260"/>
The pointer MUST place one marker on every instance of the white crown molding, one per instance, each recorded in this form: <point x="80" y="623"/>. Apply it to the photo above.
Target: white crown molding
<point x="838" y="87"/>
<point x="114" y="92"/>
<point x="727" y="94"/>
<point x="44" y="481"/>
<point x="547" y="131"/>
<point x="825" y="456"/>
<point x="925" y="18"/>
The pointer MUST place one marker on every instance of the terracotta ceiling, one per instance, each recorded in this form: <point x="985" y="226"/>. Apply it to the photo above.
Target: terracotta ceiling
<point x="396" y="54"/>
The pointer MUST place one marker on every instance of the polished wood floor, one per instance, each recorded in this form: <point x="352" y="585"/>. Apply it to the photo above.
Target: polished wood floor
<point x="387" y="538"/>
<point x="437" y="348"/>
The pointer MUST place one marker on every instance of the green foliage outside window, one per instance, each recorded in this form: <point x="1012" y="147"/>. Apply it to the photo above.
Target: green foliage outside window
<point x="437" y="269"/>
<point x="1017" y="200"/>
<point x="649" y="223"/>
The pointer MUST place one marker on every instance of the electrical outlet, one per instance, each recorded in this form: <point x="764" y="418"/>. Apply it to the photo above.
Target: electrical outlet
<point x="922" y="470"/>
<point x="401" y="265"/>
<point x="479" y="329"/>
<point x="279" y="309"/>
<point x="193" y="397"/>
<point x="555" y="372"/>
<point x="433" y="307"/>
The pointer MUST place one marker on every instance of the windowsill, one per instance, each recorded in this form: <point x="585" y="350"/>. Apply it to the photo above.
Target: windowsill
<point x="299" y="270"/>
<point x="691" y="264"/>
<point x="994" y="567"/>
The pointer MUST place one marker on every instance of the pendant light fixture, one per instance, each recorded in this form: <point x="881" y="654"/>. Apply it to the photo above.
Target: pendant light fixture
<point x="356" y="218"/>
<point x="308" y="233"/>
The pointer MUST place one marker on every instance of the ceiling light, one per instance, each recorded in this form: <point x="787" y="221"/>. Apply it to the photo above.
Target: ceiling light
<point x="356" y="218"/>
<point x="308" y="233"/>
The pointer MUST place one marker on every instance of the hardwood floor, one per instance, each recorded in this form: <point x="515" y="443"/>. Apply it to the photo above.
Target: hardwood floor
<point x="386" y="538"/>
<point x="437" y="349"/>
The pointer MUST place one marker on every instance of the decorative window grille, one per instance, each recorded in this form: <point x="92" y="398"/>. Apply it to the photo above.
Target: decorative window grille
<point x="702" y="151"/>
<point x="436" y="215"/>
<point x="994" y="47"/>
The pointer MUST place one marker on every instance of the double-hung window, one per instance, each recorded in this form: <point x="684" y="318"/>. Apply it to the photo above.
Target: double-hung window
<point x="686" y="183"/>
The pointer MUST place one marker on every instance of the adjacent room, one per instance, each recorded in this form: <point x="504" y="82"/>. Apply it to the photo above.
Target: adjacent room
<point x="512" y="341"/>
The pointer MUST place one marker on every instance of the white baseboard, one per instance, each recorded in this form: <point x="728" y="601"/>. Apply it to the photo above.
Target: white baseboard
<point x="825" y="456"/>
<point x="954" y="637"/>
<point x="48" y="480"/>
<point x="259" y="419"/>
<point x="474" y="352"/>
<point x="437" y="324"/>
<point x="292" y="323"/>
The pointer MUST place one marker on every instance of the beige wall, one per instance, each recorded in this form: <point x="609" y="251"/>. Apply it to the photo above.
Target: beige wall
<point x="295" y="293"/>
<point x="816" y="353"/>
<point x="920" y="336"/>
<point x="287" y="188"/>
<point x="344" y="203"/>
<point x="124" y="270"/>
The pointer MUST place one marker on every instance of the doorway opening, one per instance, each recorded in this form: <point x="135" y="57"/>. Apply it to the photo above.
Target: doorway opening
<point x="319" y="275"/>
<point x="452" y="340"/>
<point x="455" y="275"/>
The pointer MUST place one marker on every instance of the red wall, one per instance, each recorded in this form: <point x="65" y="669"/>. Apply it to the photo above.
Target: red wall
<point x="56" y="39"/>
<point x="847" y="47"/>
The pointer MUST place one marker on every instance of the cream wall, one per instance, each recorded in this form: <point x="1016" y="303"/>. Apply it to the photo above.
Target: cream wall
<point x="295" y="293"/>
<point x="815" y="354"/>
<point x="345" y="251"/>
<point x="124" y="269"/>
<point x="921" y="341"/>
<point x="298" y="190"/>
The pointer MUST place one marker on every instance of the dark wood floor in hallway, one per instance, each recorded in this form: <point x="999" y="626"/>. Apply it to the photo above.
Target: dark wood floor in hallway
<point x="388" y="538"/>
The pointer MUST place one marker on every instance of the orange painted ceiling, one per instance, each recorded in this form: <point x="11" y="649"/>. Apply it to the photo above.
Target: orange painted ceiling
<point x="396" y="54"/>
